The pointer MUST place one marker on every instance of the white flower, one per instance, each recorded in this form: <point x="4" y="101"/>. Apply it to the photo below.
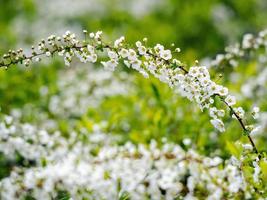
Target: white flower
<point x="142" y="50"/>
<point x="138" y="44"/>
<point x="124" y="53"/>
<point x="218" y="124"/>
<point x="239" y="111"/>
<point x="230" y="100"/>
<point x="159" y="48"/>
<point x="187" y="141"/>
<point x="92" y="58"/>
<point x="91" y="35"/>
<point x="90" y="48"/>
<point x="61" y="53"/>
<point x="67" y="60"/>
<point x="220" y="113"/>
<point x="119" y="42"/>
<point x="213" y="112"/>
<point x="136" y="64"/>
<point x="223" y="91"/>
<point x="144" y="73"/>
<point x="112" y="55"/>
<point x="177" y="62"/>
<point x="110" y="65"/>
<point x="177" y="50"/>
<point x="48" y="53"/>
<point x="132" y="55"/>
<point x="98" y="35"/>
<point x="126" y="62"/>
<point x="213" y="88"/>
<point x="165" y="54"/>
<point x="151" y="66"/>
<point x="37" y="59"/>
<point x="255" y="112"/>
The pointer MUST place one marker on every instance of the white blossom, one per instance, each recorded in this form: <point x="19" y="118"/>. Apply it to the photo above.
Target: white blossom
<point x="218" y="124"/>
<point x="230" y="100"/>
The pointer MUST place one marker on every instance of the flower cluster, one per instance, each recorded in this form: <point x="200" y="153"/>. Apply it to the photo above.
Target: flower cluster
<point x="94" y="85"/>
<point x="250" y="43"/>
<point x="155" y="172"/>
<point x="97" y="168"/>
<point x="36" y="144"/>
<point x="195" y="83"/>
<point x="255" y="86"/>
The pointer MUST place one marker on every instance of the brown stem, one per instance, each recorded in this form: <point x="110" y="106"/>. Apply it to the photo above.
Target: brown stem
<point x="242" y="125"/>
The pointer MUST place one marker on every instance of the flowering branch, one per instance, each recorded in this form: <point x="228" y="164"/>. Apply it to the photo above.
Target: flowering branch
<point x="246" y="131"/>
<point x="195" y="83"/>
<point x="250" y="43"/>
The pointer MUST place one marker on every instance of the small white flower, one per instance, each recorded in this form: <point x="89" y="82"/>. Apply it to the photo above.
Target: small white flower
<point x="213" y="112"/>
<point x="142" y="50"/>
<point x="218" y="124"/>
<point x="177" y="50"/>
<point x="223" y="91"/>
<point x="91" y="35"/>
<point x="159" y="48"/>
<point x="98" y="35"/>
<point x="67" y="60"/>
<point x="48" y="53"/>
<point x="132" y="55"/>
<point x="119" y="42"/>
<point x="27" y="62"/>
<point x="220" y="113"/>
<point x="255" y="112"/>
<point x="124" y="53"/>
<point x="165" y="54"/>
<point x="239" y="111"/>
<point x="37" y="59"/>
<point x="110" y="65"/>
<point x="138" y="44"/>
<point x="126" y="62"/>
<point x="136" y="64"/>
<point x="212" y="88"/>
<point x="187" y="141"/>
<point x="230" y="100"/>
<point x="144" y="73"/>
<point x="151" y="66"/>
<point x="112" y="55"/>
<point x="61" y="53"/>
<point x="177" y="62"/>
<point x="90" y="48"/>
<point x="92" y="58"/>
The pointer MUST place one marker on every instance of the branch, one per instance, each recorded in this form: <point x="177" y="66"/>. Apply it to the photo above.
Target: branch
<point x="195" y="83"/>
